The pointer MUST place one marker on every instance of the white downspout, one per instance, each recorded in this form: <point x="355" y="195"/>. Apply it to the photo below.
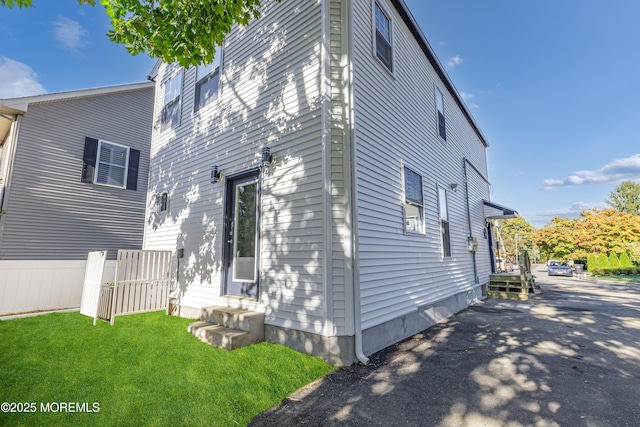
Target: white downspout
<point x="355" y="279"/>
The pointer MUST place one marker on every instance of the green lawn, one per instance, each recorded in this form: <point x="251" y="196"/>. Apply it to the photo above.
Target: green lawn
<point x="145" y="370"/>
<point x="622" y="279"/>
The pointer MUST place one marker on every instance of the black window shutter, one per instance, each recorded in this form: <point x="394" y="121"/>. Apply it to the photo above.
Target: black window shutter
<point x="89" y="159"/>
<point x="132" y="173"/>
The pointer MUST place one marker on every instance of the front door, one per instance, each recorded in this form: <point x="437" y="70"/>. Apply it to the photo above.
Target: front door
<point x="241" y="236"/>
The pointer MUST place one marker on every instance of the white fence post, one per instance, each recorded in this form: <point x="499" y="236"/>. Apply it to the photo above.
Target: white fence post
<point x="92" y="284"/>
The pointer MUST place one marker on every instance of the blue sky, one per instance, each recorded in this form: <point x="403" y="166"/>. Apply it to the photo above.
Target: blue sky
<point x="554" y="84"/>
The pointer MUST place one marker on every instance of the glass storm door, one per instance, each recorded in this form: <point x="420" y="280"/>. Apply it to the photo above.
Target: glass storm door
<point x="241" y="233"/>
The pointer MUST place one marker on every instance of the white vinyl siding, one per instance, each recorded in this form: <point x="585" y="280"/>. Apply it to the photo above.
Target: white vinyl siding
<point x="269" y="96"/>
<point x="395" y="122"/>
<point x="341" y="227"/>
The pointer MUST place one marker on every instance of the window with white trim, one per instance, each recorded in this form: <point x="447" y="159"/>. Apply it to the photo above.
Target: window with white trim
<point x="413" y="202"/>
<point x="383" y="46"/>
<point x="442" y="128"/>
<point x="444" y="222"/>
<point x="108" y="163"/>
<point x="207" y="81"/>
<point x="170" y="116"/>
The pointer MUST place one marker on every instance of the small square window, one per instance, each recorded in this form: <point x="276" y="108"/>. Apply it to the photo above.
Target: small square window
<point x="413" y="204"/>
<point x="112" y="164"/>
<point x="383" y="37"/>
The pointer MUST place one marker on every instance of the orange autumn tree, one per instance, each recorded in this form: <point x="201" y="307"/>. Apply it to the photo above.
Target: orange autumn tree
<point x="555" y="240"/>
<point x="606" y="231"/>
<point x="593" y="232"/>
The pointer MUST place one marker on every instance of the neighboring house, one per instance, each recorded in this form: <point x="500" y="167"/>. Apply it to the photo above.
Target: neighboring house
<point x="368" y="225"/>
<point x="74" y="169"/>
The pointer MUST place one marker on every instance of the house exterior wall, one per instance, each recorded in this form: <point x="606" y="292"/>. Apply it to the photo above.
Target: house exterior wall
<point x="270" y="95"/>
<point x="400" y="273"/>
<point x="304" y="80"/>
<point x="50" y="213"/>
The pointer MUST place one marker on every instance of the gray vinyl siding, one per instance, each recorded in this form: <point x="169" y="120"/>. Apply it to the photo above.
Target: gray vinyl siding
<point x="270" y="95"/>
<point x="50" y="214"/>
<point x="396" y="126"/>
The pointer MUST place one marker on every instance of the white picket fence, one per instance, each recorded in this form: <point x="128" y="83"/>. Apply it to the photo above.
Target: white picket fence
<point x="142" y="284"/>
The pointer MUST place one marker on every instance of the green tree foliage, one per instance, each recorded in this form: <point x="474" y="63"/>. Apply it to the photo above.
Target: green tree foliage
<point x="592" y="262"/>
<point x="555" y="240"/>
<point x="519" y="227"/>
<point x="625" y="261"/>
<point x="626" y="198"/>
<point x="183" y="31"/>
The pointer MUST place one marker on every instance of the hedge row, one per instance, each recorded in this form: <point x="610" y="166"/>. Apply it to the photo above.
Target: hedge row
<point x="614" y="271"/>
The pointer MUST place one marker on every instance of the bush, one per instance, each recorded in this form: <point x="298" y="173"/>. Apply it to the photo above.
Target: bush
<point x="625" y="261"/>
<point x="614" y="261"/>
<point x="610" y="271"/>
<point x="603" y="261"/>
<point x="592" y="263"/>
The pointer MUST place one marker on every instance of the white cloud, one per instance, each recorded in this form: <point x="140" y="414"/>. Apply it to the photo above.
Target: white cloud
<point x="541" y="218"/>
<point x="18" y="79"/>
<point x="467" y="97"/>
<point x="454" y="61"/>
<point x="627" y="169"/>
<point x="69" y="34"/>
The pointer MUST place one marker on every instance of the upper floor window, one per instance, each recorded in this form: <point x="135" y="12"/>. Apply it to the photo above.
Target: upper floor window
<point x="111" y="164"/>
<point x="413" y="202"/>
<point x="444" y="222"/>
<point x="383" y="37"/>
<point x="442" y="128"/>
<point x="207" y="81"/>
<point x="170" y="116"/>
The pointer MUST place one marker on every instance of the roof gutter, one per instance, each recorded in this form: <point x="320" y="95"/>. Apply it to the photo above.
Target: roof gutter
<point x="410" y="22"/>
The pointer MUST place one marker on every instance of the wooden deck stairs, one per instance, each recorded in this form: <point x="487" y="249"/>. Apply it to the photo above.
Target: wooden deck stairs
<point x="229" y="328"/>
<point x="516" y="286"/>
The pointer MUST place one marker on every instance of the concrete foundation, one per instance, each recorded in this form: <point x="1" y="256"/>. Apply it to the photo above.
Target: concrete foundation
<point x="338" y="351"/>
<point x="388" y="333"/>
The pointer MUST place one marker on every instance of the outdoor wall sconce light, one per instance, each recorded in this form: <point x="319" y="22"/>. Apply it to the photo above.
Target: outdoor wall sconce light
<point x="454" y="187"/>
<point x="267" y="157"/>
<point x="216" y="175"/>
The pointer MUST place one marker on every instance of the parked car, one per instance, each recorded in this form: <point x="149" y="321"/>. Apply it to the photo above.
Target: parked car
<point x="559" y="268"/>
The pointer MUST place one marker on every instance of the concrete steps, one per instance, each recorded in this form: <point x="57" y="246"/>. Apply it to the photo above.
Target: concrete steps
<point x="228" y="328"/>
